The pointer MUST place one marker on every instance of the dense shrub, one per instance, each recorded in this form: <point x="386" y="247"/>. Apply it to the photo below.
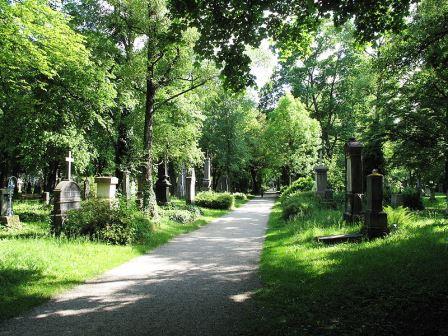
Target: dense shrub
<point x="301" y="184"/>
<point x="214" y="200"/>
<point x="183" y="216"/>
<point x="299" y="204"/>
<point x="240" y="196"/>
<point x="96" y="219"/>
<point x="399" y="216"/>
<point x="412" y="199"/>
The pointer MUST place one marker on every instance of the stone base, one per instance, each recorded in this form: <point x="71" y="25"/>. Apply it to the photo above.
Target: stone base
<point x="375" y="224"/>
<point x="343" y="238"/>
<point x="351" y="217"/>
<point x="12" y="222"/>
<point x="162" y="194"/>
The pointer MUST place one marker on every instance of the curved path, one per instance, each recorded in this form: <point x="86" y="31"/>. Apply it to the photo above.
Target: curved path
<point x="198" y="284"/>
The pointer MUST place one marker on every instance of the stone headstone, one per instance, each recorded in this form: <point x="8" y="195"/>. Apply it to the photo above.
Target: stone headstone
<point x="126" y="185"/>
<point x="321" y="180"/>
<point x="86" y="189"/>
<point x="182" y="182"/>
<point x="67" y="196"/>
<point x="106" y="188"/>
<point x="375" y="220"/>
<point x="19" y="185"/>
<point x="46" y="197"/>
<point x="162" y="184"/>
<point x="29" y="188"/>
<point x="7" y="216"/>
<point x="4" y="199"/>
<point x="353" y="181"/>
<point x="190" y="192"/>
<point x="206" y="181"/>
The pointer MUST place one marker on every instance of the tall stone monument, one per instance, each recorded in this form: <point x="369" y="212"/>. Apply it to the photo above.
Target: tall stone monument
<point x="126" y="185"/>
<point x="182" y="182"/>
<point x="67" y="196"/>
<point x="162" y="184"/>
<point x="322" y="190"/>
<point x="190" y="191"/>
<point x="206" y="181"/>
<point x="353" y="181"/>
<point x="375" y="220"/>
<point x="106" y="188"/>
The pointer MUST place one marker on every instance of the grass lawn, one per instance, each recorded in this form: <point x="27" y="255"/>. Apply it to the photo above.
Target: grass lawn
<point x="35" y="266"/>
<point x="392" y="286"/>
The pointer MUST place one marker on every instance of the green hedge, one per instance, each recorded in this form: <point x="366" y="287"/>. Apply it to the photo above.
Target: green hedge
<point x="214" y="200"/>
<point x="97" y="220"/>
<point x="301" y="184"/>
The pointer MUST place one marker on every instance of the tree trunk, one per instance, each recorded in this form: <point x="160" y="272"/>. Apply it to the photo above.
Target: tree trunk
<point x="149" y="198"/>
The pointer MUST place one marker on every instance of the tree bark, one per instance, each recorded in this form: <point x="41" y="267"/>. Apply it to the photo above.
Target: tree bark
<point x="149" y="198"/>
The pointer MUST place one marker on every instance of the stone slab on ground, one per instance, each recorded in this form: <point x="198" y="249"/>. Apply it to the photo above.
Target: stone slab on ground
<point x="198" y="284"/>
<point x="342" y="238"/>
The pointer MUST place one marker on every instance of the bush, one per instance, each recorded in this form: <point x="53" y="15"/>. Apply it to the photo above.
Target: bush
<point x="412" y="199"/>
<point x="116" y="225"/>
<point x="301" y="184"/>
<point x="214" y="200"/>
<point x="399" y="216"/>
<point x="183" y="216"/>
<point x="240" y="196"/>
<point x="299" y="204"/>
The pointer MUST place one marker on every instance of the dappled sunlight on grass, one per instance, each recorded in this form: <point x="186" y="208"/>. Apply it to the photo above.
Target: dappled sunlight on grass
<point x="391" y="285"/>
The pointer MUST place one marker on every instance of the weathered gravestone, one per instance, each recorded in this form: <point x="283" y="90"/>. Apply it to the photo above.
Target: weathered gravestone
<point x="126" y="185"/>
<point x="106" y="188"/>
<point x="45" y="198"/>
<point x="375" y="220"/>
<point x="86" y="190"/>
<point x="354" y="181"/>
<point x="182" y="182"/>
<point x="206" y="181"/>
<point x="67" y="196"/>
<point x="19" y="185"/>
<point x="162" y="184"/>
<point x="190" y="187"/>
<point x="7" y="216"/>
<point x="322" y="190"/>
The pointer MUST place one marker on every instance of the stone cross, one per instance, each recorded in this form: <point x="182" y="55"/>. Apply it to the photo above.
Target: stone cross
<point x="69" y="160"/>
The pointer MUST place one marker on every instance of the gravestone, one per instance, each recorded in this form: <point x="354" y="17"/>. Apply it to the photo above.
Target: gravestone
<point x="162" y="184"/>
<point x="375" y="220"/>
<point x="353" y="181"/>
<point x="126" y="185"/>
<point x="396" y="200"/>
<point x="86" y="189"/>
<point x="190" y="187"/>
<point x="19" y="185"/>
<point x="223" y="184"/>
<point x="206" y="181"/>
<point x="106" y="188"/>
<point x="29" y="188"/>
<point x="182" y="182"/>
<point x="46" y="197"/>
<point x="67" y="196"/>
<point x="7" y="216"/>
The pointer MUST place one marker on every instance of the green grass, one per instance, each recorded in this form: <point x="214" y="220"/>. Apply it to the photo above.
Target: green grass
<point x="392" y="286"/>
<point x="35" y="266"/>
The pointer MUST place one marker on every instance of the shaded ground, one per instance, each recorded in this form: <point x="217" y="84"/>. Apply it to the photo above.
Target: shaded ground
<point x="198" y="284"/>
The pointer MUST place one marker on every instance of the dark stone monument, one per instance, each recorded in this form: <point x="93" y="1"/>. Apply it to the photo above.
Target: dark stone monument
<point x="38" y="188"/>
<point x="163" y="184"/>
<point x="190" y="187"/>
<point x="29" y="188"/>
<point x="86" y="190"/>
<point x="322" y="190"/>
<point x="375" y="220"/>
<point x="67" y="196"/>
<point x="206" y="181"/>
<point x="126" y="185"/>
<point x="354" y="181"/>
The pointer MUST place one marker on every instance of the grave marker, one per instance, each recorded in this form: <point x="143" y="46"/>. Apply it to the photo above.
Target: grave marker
<point x="106" y="188"/>
<point x="375" y="220"/>
<point x="206" y="181"/>
<point x="190" y="187"/>
<point x="162" y="184"/>
<point x="353" y="181"/>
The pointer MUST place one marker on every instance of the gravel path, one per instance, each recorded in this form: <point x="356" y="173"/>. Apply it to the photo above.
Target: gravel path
<point x="198" y="284"/>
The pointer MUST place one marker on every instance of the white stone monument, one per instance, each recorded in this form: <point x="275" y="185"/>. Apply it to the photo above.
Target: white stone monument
<point x="106" y="187"/>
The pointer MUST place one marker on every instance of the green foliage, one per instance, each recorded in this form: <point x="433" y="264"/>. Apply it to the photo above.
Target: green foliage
<point x="214" y="200"/>
<point x="399" y="216"/>
<point x="301" y="184"/>
<point x="117" y="224"/>
<point x="240" y="196"/>
<point x="298" y="205"/>
<point x="412" y="199"/>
